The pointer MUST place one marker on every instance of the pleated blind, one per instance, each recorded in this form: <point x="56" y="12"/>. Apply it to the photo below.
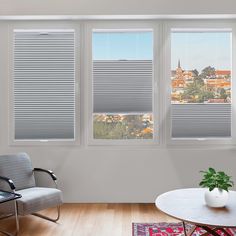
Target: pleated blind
<point x="201" y="120"/>
<point x="122" y="86"/>
<point x="44" y="84"/>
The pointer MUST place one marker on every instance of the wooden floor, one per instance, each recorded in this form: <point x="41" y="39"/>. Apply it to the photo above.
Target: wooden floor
<point x="89" y="220"/>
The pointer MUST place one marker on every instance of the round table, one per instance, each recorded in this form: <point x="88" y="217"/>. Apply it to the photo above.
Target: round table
<point x="188" y="205"/>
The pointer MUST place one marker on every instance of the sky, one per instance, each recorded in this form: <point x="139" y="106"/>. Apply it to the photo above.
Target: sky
<point x="199" y="50"/>
<point x="195" y="50"/>
<point x="122" y="45"/>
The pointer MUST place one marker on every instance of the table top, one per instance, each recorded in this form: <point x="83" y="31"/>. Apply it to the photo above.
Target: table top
<point x="8" y="196"/>
<point x="189" y="205"/>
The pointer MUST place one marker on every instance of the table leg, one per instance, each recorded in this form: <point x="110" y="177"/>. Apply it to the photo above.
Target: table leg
<point x="184" y="226"/>
<point x="209" y="230"/>
<point x="190" y="232"/>
<point x="16" y="218"/>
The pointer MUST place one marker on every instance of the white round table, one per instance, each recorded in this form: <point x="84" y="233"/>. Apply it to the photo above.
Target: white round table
<point x="188" y="205"/>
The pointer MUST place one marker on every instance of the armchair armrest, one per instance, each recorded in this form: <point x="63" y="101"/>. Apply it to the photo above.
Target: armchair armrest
<point x="48" y="172"/>
<point x="9" y="181"/>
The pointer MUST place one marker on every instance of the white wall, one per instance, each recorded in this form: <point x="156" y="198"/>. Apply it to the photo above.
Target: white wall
<point x="121" y="7"/>
<point x="90" y="174"/>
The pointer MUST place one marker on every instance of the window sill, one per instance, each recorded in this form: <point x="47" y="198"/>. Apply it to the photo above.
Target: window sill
<point x="192" y="143"/>
<point x="44" y="142"/>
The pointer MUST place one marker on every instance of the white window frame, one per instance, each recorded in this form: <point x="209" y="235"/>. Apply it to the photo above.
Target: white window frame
<point x="129" y="26"/>
<point x="197" y="24"/>
<point x="44" y="25"/>
<point x="161" y="82"/>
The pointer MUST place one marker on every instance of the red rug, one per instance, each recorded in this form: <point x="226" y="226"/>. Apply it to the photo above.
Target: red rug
<point x="168" y="229"/>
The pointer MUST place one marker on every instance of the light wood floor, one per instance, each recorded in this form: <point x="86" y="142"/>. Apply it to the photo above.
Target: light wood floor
<point x="89" y="220"/>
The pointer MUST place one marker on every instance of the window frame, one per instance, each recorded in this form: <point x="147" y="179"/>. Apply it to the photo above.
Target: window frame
<point x="161" y="82"/>
<point x="203" y="25"/>
<point x="122" y="25"/>
<point x="44" y="25"/>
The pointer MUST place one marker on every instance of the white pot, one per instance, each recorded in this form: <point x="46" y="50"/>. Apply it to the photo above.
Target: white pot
<point x="216" y="197"/>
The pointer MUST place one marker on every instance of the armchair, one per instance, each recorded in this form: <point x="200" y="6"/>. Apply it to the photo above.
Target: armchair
<point x="17" y="173"/>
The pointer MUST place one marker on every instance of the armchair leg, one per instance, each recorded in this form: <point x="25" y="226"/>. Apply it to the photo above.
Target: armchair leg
<point x="48" y="218"/>
<point x="17" y="218"/>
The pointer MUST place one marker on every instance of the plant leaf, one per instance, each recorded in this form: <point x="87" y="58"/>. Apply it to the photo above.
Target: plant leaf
<point x="212" y="179"/>
<point x="211" y="188"/>
<point x="212" y="170"/>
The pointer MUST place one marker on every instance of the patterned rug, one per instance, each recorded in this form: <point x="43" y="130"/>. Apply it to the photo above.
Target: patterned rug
<point x="168" y="229"/>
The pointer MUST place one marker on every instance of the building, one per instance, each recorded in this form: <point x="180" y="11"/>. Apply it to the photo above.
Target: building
<point x="181" y="78"/>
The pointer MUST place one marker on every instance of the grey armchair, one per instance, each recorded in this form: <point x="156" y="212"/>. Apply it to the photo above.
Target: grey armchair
<point x="16" y="173"/>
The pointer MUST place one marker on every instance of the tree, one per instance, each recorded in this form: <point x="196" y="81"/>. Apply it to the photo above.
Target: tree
<point x="208" y="73"/>
<point x="223" y="94"/>
<point x="121" y="127"/>
<point x="197" y="79"/>
<point x="195" y="72"/>
<point x="199" y="82"/>
<point x="196" y="92"/>
<point x="191" y="92"/>
<point x="206" y="95"/>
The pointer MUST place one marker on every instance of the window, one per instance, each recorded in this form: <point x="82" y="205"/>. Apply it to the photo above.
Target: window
<point x="144" y="82"/>
<point x="44" y="85"/>
<point x="122" y="84"/>
<point x="201" y="83"/>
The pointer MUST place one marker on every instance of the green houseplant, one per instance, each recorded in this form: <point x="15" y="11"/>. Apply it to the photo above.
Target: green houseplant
<point x="217" y="184"/>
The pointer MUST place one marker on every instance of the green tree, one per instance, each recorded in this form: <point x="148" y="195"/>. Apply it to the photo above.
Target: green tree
<point x="223" y="94"/>
<point x="120" y="127"/>
<point x="206" y="95"/>
<point x="196" y="92"/>
<point x="208" y="72"/>
<point x="195" y="72"/>
<point x="199" y="82"/>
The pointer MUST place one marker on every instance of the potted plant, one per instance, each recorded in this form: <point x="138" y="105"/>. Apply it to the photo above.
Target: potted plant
<point x="218" y="184"/>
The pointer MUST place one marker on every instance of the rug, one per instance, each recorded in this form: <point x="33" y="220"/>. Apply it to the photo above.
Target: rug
<point x="168" y="229"/>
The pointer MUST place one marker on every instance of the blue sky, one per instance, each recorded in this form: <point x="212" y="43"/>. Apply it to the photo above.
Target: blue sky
<point x="127" y="45"/>
<point x="195" y="50"/>
<point x="198" y="50"/>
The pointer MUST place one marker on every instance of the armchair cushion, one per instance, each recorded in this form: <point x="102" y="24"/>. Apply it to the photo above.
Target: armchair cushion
<point x="18" y="168"/>
<point x="37" y="198"/>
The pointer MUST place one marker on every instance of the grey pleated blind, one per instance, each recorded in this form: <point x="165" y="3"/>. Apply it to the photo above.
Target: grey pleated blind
<point x="44" y="84"/>
<point x="122" y="86"/>
<point x="201" y="120"/>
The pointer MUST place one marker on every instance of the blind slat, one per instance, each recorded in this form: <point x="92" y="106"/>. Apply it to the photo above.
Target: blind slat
<point x="122" y="86"/>
<point x="201" y="120"/>
<point x="44" y="84"/>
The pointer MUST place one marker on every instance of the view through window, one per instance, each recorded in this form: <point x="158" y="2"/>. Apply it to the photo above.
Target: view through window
<point x="201" y="67"/>
<point x="201" y="83"/>
<point x="122" y="84"/>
